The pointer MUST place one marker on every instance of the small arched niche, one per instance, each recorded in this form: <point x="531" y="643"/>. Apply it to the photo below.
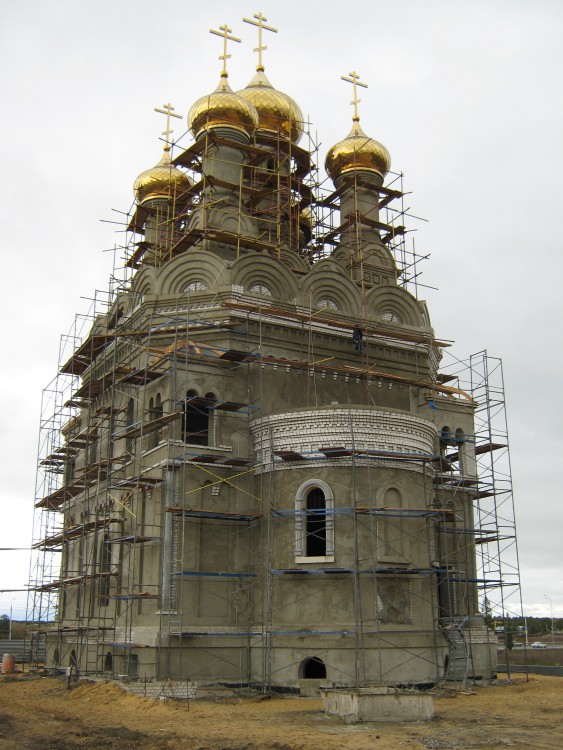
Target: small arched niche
<point x="312" y="668"/>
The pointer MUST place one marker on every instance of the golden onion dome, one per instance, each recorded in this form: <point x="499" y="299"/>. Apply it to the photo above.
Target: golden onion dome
<point x="222" y="108"/>
<point x="357" y="152"/>
<point x="162" y="181"/>
<point x="306" y="216"/>
<point x="278" y="113"/>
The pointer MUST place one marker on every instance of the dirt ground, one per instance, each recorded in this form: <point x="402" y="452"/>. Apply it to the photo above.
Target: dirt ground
<point x="40" y="712"/>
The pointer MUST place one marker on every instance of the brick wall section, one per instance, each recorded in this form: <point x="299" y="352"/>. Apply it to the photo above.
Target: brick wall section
<point x="366" y="429"/>
<point x="179" y="689"/>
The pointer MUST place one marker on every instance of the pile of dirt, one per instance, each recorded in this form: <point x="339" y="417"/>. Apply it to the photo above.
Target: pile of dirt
<point x="38" y="712"/>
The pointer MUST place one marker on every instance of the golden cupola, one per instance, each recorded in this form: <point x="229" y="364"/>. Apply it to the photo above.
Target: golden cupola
<point x="278" y="113"/>
<point x="357" y="152"/>
<point x="161" y="181"/>
<point x="223" y="108"/>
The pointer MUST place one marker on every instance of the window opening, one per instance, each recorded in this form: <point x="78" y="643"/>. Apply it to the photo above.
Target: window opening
<point x="195" y="286"/>
<point x="108" y="663"/>
<point x="390" y="316"/>
<point x="133" y="666"/>
<point x="312" y="669"/>
<point x="262" y="289"/>
<point x="196" y="418"/>
<point x="156" y="410"/>
<point x="315" y="526"/>
<point x="69" y="470"/>
<point x="327" y="303"/>
<point x="105" y="567"/>
<point x="129" y="441"/>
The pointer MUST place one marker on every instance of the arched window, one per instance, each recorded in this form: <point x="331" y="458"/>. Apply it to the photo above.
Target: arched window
<point x="461" y="450"/>
<point x="156" y="410"/>
<point x="105" y="568"/>
<point x="390" y="316"/>
<point x="312" y="669"/>
<point x="197" y="417"/>
<point x="314" y="522"/>
<point x="446" y="437"/>
<point x="130" y="442"/>
<point x="92" y="450"/>
<point x="131" y="665"/>
<point x="69" y="469"/>
<point x="195" y="286"/>
<point x="326" y="303"/>
<point x="111" y="430"/>
<point x="260" y="289"/>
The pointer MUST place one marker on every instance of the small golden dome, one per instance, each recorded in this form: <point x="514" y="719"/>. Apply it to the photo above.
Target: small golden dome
<point x="162" y="181"/>
<point x="277" y="112"/>
<point x="357" y="152"/>
<point x="222" y="108"/>
<point x="306" y="216"/>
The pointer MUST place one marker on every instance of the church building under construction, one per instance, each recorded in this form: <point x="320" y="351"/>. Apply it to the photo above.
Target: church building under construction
<point x="253" y="470"/>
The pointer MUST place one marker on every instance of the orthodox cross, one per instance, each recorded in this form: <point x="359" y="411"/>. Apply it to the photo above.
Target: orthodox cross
<point x="261" y="25"/>
<point x="168" y="110"/>
<point x="224" y="31"/>
<point x="354" y="79"/>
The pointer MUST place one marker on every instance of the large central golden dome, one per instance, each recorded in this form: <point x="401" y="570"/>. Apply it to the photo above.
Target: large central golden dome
<point x="222" y="108"/>
<point x="277" y="112"/>
<point x="161" y="181"/>
<point x="357" y="152"/>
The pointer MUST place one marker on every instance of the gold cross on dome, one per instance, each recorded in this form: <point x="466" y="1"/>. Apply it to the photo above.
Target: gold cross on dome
<point x="224" y="31"/>
<point x="354" y="79"/>
<point x="168" y="110"/>
<point x="259" y="23"/>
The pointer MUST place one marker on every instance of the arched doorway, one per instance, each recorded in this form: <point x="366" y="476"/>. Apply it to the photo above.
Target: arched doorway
<point x="312" y="669"/>
<point x="108" y="663"/>
<point x="73" y="662"/>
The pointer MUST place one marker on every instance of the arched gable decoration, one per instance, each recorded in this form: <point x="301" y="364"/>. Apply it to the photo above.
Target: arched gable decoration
<point x="393" y="304"/>
<point x="322" y="283"/>
<point x="258" y="270"/>
<point x="144" y="282"/>
<point x="188" y="268"/>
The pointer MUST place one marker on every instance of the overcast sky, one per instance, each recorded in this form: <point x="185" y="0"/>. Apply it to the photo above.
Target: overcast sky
<point x="467" y="97"/>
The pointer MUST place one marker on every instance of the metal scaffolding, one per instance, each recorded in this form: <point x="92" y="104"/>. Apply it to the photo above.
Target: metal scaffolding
<point x="130" y="480"/>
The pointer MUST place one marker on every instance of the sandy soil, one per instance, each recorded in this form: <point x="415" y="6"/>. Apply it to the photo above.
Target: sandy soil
<point x="39" y="712"/>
